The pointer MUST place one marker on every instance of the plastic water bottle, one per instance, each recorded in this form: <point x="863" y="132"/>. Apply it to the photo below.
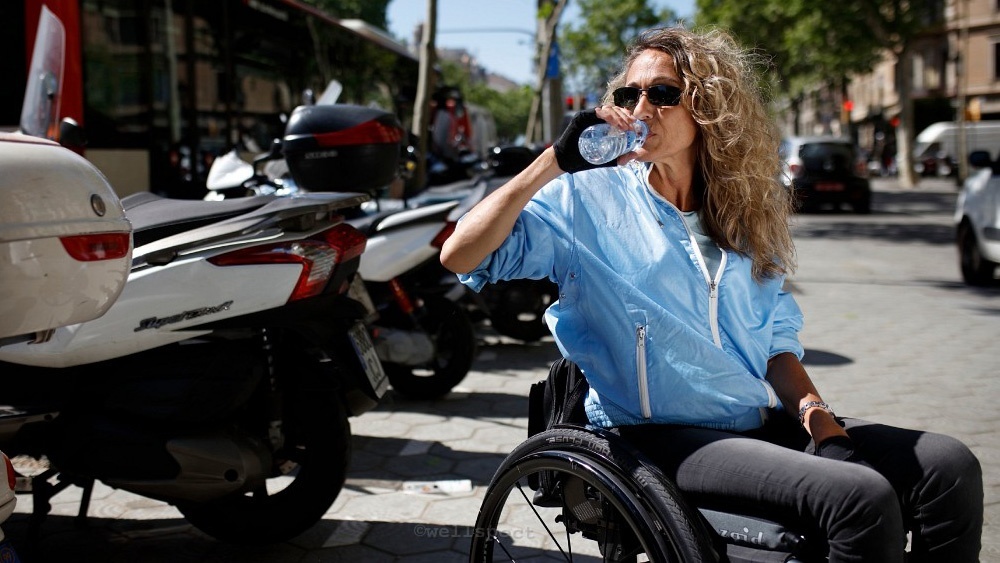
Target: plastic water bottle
<point x="603" y="143"/>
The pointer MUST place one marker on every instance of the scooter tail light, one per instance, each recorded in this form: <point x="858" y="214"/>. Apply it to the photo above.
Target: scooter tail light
<point x="443" y="234"/>
<point x="11" y="476"/>
<point x="97" y="246"/>
<point x="316" y="258"/>
<point x="348" y="241"/>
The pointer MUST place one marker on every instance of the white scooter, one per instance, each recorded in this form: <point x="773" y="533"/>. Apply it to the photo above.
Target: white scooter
<point x="64" y="250"/>
<point x="425" y="339"/>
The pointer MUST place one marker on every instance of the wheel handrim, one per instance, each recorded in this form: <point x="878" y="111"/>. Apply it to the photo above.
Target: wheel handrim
<point x="506" y="532"/>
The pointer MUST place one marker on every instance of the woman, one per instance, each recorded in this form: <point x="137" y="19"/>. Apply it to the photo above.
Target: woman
<point x="670" y="267"/>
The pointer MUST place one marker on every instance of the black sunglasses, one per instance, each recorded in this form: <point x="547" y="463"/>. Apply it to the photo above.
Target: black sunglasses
<point x="659" y="95"/>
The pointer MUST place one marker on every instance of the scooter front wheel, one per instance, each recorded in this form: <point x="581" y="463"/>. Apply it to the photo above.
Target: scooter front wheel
<point x="454" y="339"/>
<point x="308" y="474"/>
<point x="518" y="307"/>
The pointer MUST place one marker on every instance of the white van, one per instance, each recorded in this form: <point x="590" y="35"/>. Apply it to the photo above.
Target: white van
<point x="936" y="149"/>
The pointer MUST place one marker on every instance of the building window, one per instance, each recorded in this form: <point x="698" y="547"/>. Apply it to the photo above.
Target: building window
<point x="996" y="59"/>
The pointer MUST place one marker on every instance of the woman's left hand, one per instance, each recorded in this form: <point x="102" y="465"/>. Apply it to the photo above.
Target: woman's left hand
<point x="840" y="448"/>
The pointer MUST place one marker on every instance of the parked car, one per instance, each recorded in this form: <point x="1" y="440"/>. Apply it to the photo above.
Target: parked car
<point x="936" y="147"/>
<point x="825" y="170"/>
<point x="977" y="221"/>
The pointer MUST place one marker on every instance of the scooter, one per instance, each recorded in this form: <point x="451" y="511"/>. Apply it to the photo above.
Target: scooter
<point x="72" y="240"/>
<point x="424" y="339"/>
<point x="222" y="377"/>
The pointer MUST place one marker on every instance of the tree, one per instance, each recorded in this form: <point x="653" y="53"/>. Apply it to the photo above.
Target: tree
<point x="804" y="46"/>
<point x="593" y="49"/>
<point x="817" y="41"/>
<point x="895" y="26"/>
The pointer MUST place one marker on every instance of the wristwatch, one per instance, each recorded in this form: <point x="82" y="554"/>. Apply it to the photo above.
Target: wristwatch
<point x="812" y="404"/>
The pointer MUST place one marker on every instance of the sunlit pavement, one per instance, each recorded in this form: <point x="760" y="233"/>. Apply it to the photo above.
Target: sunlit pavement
<point x="891" y="334"/>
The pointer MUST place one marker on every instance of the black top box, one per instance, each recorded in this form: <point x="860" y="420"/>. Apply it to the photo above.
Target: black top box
<point x="342" y="147"/>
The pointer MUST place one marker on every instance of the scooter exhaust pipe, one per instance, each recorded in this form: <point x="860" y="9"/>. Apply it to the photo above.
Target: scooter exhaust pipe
<point x="210" y="468"/>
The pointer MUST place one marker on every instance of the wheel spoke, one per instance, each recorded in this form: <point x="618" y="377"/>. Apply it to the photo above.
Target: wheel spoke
<point x="541" y="520"/>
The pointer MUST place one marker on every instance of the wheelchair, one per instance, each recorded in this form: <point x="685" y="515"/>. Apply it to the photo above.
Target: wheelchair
<point x="578" y="493"/>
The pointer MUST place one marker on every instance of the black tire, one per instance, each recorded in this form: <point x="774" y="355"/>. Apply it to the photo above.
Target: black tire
<point x="518" y="306"/>
<point x="621" y="489"/>
<point x="976" y="269"/>
<point x="863" y="206"/>
<point x="454" y="340"/>
<point x="315" y="457"/>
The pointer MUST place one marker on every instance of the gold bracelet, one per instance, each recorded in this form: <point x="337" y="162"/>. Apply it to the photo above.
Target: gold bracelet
<point x="811" y="404"/>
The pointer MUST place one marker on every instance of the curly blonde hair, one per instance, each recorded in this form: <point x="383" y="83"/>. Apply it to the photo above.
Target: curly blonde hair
<point x="745" y="208"/>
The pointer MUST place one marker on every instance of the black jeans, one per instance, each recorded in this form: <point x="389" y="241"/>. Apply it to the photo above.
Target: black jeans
<point x="926" y="483"/>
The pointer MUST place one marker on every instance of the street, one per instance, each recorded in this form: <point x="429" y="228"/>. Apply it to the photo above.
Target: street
<point x="892" y="335"/>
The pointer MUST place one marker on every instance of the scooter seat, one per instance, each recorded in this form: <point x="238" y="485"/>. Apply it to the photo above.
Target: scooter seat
<point x="154" y="217"/>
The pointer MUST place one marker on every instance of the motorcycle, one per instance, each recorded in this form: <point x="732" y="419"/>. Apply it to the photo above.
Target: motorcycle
<point x="425" y="340"/>
<point x="222" y="377"/>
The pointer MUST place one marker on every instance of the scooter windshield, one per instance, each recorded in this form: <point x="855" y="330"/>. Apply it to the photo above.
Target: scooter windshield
<point x="40" y="111"/>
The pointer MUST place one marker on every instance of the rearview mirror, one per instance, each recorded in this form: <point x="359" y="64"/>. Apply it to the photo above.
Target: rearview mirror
<point x="71" y="135"/>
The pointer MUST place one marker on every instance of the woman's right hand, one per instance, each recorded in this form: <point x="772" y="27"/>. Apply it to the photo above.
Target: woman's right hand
<point x="567" y="146"/>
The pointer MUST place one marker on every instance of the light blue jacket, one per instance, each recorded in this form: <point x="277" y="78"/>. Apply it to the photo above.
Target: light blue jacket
<point x="658" y="340"/>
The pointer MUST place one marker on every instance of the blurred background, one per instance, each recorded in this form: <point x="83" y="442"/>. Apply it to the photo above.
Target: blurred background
<point x="162" y="87"/>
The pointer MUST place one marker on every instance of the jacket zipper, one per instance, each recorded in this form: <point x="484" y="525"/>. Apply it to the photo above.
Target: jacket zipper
<point x="713" y="298"/>
<point x="640" y="365"/>
<point x="713" y="284"/>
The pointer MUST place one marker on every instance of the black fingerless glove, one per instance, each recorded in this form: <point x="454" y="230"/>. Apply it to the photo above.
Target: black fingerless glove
<point x="840" y="448"/>
<point x="567" y="146"/>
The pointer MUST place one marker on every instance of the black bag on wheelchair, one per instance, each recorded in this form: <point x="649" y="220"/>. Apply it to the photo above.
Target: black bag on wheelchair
<point x="558" y="399"/>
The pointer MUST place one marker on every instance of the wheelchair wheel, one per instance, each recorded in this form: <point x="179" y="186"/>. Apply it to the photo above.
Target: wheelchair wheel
<point x="568" y="493"/>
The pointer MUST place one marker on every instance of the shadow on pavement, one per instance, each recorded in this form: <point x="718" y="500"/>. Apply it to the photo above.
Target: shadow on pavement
<point x="378" y="460"/>
<point x="106" y="540"/>
<point x="924" y="233"/>
<point x="821" y="358"/>
<point x="468" y="404"/>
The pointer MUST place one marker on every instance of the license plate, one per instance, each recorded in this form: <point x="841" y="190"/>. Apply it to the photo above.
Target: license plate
<point x="365" y="350"/>
<point x="829" y="187"/>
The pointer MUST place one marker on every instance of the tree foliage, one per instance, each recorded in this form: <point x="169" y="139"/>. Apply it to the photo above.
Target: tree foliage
<point x="804" y="42"/>
<point x="510" y="109"/>
<point x="593" y="49"/>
